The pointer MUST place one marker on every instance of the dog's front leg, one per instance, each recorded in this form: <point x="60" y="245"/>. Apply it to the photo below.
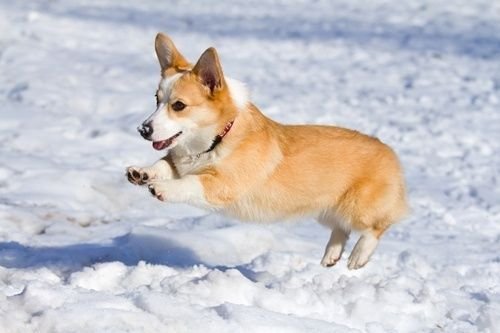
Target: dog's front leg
<point x="188" y="189"/>
<point x="161" y="170"/>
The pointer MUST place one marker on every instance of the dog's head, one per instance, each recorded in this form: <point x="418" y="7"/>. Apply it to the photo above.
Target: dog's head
<point x="193" y="103"/>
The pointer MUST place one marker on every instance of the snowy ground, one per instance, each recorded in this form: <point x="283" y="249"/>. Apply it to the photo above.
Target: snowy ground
<point x="81" y="250"/>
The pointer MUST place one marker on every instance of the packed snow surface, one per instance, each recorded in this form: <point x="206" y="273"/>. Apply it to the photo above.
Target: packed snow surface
<point x="82" y="250"/>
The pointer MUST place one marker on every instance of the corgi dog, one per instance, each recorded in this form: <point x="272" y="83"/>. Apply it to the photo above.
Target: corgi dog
<point x="222" y="154"/>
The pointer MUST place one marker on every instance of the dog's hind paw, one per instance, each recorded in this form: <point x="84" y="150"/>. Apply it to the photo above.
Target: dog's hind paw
<point x="330" y="260"/>
<point x="362" y="251"/>
<point x="137" y="176"/>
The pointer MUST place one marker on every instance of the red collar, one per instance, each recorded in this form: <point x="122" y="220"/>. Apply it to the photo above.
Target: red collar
<point x="218" y="137"/>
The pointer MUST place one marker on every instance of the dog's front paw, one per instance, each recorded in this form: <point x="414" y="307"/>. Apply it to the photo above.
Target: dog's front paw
<point x="137" y="176"/>
<point x="157" y="190"/>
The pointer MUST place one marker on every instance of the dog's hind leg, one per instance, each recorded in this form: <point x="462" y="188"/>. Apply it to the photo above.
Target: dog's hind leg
<point x="364" y="248"/>
<point x="338" y="237"/>
<point x="335" y="246"/>
<point x="161" y="170"/>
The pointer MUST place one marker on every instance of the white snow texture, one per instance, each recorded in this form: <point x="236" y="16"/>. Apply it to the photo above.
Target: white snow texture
<point x="82" y="250"/>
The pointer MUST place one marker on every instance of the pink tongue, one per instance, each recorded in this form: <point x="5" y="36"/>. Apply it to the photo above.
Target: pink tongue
<point x="159" y="145"/>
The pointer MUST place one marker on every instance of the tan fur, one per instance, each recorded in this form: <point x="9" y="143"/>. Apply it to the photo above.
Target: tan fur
<point x="264" y="171"/>
<point x="283" y="171"/>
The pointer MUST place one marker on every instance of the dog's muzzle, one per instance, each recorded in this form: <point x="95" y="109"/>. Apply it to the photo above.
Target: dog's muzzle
<point x="146" y="130"/>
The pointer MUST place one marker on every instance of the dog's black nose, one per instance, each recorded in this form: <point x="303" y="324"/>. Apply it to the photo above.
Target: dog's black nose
<point x="146" y="130"/>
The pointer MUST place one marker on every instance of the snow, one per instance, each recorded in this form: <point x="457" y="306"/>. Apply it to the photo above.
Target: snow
<point x="82" y="250"/>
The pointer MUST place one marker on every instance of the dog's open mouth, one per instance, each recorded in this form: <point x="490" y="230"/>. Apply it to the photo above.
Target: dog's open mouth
<point x="159" y="145"/>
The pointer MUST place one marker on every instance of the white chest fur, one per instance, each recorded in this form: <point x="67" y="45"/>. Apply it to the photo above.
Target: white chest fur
<point x="191" y="164"/>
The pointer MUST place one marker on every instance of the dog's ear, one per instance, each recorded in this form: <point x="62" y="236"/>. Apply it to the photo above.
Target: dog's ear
<point x="209" y="70"/>
<point x="168" y="55"/>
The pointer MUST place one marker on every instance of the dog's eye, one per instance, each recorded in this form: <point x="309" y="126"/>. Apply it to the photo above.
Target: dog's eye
<point x="178" y="106"/>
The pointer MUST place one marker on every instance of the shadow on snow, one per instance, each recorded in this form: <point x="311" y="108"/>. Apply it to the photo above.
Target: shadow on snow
<point x="128" y="249"/>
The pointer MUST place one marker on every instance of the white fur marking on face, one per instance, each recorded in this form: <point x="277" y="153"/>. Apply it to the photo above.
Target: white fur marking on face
<point x="166" y="85"/>
<point x="239" y="93"/>
<point x="163" y="126"/>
